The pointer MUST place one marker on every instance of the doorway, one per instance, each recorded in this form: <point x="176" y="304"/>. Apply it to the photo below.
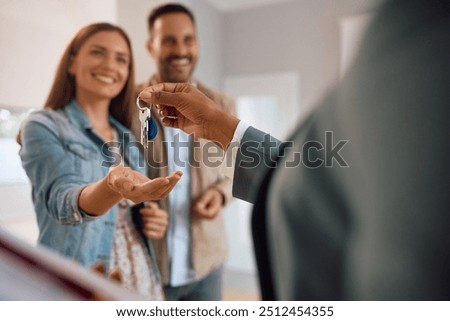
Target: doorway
<point x="269" y="102"/>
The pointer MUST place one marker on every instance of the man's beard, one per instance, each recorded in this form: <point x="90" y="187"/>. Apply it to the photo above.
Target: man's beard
<point x="170" y="76"/>
<point x="168" y="73"/>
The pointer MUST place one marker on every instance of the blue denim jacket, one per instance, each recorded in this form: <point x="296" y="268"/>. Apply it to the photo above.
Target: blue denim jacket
<point x="61" y="154"/>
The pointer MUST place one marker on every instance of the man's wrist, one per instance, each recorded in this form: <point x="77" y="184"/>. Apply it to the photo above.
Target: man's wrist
<point x="222" y="128"/>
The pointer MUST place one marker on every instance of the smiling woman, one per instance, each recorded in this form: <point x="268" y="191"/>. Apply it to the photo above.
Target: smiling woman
<point x="100" y="68"/>
<point x="84" y="207"/>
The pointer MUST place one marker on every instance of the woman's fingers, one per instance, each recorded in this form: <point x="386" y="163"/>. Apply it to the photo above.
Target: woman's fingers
<point x="153" y="188"/>
<point x="173" y="180"/>
<point x="138" y="188"/>
<point x="157" y="188"/>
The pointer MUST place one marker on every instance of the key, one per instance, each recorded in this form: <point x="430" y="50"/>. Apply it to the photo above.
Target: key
<point x="144" y="116"/>
<point x="148" y="125"/>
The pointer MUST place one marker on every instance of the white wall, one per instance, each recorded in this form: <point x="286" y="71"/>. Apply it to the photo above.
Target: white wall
<point x="301" y="36"/>
<point x="352" y="30"/>
<point x="33" y="35"/>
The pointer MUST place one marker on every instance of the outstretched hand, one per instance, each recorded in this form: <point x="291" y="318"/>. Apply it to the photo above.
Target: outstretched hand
<point x="183" y="106"/>
<point x="137" y="187"/>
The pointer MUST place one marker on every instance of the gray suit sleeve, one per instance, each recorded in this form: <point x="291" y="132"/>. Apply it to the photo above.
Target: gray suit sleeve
<point x="258" y="152"/>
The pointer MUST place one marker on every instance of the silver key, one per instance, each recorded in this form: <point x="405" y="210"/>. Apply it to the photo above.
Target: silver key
<point x="144" y="115"/>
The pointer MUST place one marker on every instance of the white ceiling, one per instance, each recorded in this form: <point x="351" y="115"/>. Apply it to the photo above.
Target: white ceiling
<point x="233" y="5"/>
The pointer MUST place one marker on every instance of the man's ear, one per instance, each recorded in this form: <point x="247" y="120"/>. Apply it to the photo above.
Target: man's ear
<point x="149" y="46"/>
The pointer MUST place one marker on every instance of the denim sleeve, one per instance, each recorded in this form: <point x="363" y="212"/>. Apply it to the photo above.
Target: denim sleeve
<point x="54" y="178"/>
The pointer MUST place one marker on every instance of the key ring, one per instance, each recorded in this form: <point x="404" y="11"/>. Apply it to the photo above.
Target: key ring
<point x="138" y="104"/>
<point x="152" y="128"/>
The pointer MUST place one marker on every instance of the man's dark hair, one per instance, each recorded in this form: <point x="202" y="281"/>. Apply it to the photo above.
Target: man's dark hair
<point x="166" y="9"/>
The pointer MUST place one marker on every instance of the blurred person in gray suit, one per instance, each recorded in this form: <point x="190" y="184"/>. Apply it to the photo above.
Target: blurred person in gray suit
<point x="364" y="216"/>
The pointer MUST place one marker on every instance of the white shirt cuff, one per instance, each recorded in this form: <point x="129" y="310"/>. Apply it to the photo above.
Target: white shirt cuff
<point x="229" y="160"/>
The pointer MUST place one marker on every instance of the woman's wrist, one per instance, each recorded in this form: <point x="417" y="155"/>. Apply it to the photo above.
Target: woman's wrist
<point x="109" y="189"/>
<point x="97" y="198"/>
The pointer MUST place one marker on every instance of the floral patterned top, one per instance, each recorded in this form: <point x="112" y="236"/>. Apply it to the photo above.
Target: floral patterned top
<point x="131" y="255"/>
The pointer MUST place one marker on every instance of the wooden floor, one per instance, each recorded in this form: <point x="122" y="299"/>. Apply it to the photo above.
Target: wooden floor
<point x="239" y="295"/>
<point x="240" y="286"/>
